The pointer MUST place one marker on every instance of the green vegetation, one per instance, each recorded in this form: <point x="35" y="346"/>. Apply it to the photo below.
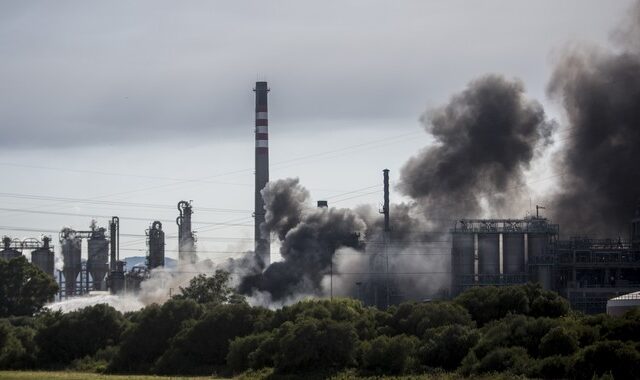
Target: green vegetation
<point x="520" y="331"/>
<point x="24" y="288"/>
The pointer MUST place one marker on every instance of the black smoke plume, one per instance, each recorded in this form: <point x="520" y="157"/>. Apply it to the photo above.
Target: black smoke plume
<point x="309" y="238"/>
<point x="600" y="91"/>
<point x="486" y="137"/>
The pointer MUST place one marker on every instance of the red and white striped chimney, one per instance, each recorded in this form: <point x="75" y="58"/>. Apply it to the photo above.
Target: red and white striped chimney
<point x="262" y="242"/>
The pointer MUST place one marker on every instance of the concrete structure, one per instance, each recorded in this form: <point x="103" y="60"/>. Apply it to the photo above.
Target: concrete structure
<point x="262" y="242"/>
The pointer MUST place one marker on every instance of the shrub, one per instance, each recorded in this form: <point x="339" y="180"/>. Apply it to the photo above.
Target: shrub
<point x="205" y="344"/>
<point x="619" y="358"/>
<point x="243" y="351"/>
<point x="315" y="344"/>
<point x="395" y="355"/>
<point x="66" y="337"/>
<point x="415" y="318"/>
<point x="148" y="336"/>
<point x="446" y="346"/>
<point x="512" y="359"/>
<point x="558" y="341"/>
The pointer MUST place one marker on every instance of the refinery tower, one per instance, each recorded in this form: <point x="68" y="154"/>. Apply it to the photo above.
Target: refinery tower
<point x="262" y="242"/>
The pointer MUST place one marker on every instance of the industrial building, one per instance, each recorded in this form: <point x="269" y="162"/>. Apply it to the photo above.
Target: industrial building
<point x="587" y="272"/>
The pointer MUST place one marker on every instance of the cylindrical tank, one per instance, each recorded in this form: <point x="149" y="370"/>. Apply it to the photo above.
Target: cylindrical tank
<point x="156" y="246"/>
<point x="489" y="253"/>
<point x="462" y="261"/>
<point x="71" y="246"/>
<point x="513" y="253"/>
<point x="98" y="257"/>
<point x="538" y="244"/>
<point x="8" y="252"/>
<point x="43" y="257"/>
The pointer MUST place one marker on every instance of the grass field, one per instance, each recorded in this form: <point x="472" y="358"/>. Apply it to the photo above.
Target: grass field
<point x="61" y="375"/>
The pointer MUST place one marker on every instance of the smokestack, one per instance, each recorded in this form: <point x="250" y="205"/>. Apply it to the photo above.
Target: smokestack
<point x="385" y="206"/>
<point x="262" y="242"/>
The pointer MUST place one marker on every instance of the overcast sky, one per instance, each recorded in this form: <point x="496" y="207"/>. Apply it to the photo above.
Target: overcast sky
<point x="150" y="101"/>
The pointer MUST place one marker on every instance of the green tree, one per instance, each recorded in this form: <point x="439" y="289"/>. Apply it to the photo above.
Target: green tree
<point x="558" y="341"/>
<point x="446" y="346"/>
<point x="211" y="289"/>
<point x="65" y="337"/>
<point x="619" y="358"/>
<point x="311" y="344"/>
<point x="245" y="353"/>
<point x="395" y="355"/>
<point x="149" y="335"/>
<point x="416" y="318"/>
<point x="204" y="345"/>
<point x="24" y="289"/>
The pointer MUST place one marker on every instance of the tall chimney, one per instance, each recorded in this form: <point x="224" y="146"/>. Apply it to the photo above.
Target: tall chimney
<point x="262" y="243"/>
<point x="385" y="207"/>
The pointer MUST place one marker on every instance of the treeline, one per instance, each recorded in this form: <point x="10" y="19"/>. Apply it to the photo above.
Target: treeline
<point x="519" y="330"/>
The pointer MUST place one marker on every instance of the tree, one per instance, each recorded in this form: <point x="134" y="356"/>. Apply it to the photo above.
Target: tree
<point x="65" y="337"/>
<point x="211" y="289"/>
<point x="149" y="335"/>
<point x="204" y="345"/>
<point x="621" y="359"/>
<point x="24" y="289"/>
<point x="385" y="354"/>
<point x="446" y="346"/>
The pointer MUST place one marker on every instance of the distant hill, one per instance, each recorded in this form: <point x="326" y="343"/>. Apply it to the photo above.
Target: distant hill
<point x="141" y="261"/>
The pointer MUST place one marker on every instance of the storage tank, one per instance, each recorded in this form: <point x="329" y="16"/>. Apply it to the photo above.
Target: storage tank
<point x="513" y="253"/>
<point x="71" y="247"/>
<point x="98" y="257"/>
<point x="462" y="261"/>
<point x="43" y="257"/>
<point x="488" y="255"/>
<point x="156" y="246"/>
<point x="538" y="244"/>
<point x="8" y="252"/>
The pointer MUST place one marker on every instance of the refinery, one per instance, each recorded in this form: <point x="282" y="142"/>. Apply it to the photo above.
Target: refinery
<point x="586" y="271"/>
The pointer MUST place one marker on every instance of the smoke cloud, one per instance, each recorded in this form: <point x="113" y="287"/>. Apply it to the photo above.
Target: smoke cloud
<point x="600" y="91"/>
<point x="486" y="136"/>
<point x="308" y="239"/>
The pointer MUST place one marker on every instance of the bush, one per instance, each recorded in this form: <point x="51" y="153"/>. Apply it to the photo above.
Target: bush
<point x="415" y="318"/>
<point x="514" y="330"/>
<point x="492" y="303"/>
<point x="619" y="358"/>
<point x="446" y="346"/>
<point x="395" y="355"/>
<point x="315" y="344"/>
<point x="512" y="359"/>
<point x="205" y="344"/>
<point x="66" y="337"/>
<point x="148" y="337"/>
<point x="244" y="352"/>
<point x="558" y="341"/>
<point x="552" y="367"/>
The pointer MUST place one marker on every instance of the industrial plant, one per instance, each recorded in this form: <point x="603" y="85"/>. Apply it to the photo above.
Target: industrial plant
<point x="483" y="252"/>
